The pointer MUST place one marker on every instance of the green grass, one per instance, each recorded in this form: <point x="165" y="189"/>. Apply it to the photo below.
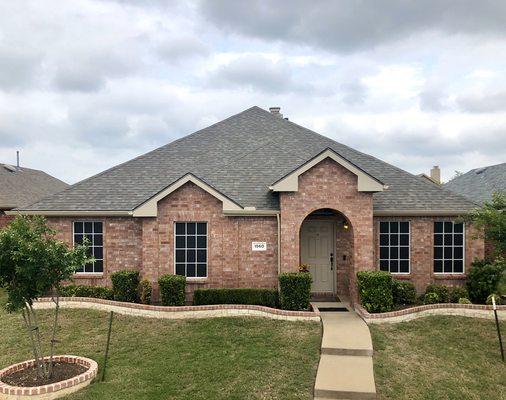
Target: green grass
<point x="221" y="358"/>
<point x="439" y="357"/>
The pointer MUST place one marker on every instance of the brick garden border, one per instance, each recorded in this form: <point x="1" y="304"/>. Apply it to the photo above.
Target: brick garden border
<point x="182" y="312"/>
<point x="407" y="314"/>
<point x="53" y="390"/>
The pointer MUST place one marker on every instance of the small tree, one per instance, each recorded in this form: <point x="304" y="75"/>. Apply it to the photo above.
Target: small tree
<point x="33" y="263"/>
<point x="490" y="220"/>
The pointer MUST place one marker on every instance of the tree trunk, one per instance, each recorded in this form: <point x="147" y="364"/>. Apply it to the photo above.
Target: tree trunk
<point x="36" y="352"/>
<point x="55" y="327"/>
<point x="38" y="341"/>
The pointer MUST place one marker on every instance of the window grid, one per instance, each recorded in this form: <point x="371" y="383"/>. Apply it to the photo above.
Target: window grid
<point x="395" y="247"/>
<point x="449" y="247"/>
<point x="94" y="231"/>
<point x="190" y="249"/>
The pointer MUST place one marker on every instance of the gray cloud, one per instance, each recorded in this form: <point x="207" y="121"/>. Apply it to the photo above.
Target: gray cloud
<point x="493" y="102"/>
<point x="175" y="50"/>
<point x="19" y="67"/>
<point x="347" y="26"/>
<point x="353" y="92"/>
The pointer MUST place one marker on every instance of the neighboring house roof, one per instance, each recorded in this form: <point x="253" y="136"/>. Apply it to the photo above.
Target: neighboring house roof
<point x="20" y="187"/>
<point x="479" y="183"/>
<point x="241" y="157"/>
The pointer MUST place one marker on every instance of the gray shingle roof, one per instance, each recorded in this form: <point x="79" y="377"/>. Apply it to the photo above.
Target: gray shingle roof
<point x="241" y="157"/>
<point x="479" y="184"/>
<point x="23" y="186"/>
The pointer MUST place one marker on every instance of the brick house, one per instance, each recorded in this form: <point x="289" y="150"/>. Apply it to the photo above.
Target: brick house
<point x="235" y="204"/>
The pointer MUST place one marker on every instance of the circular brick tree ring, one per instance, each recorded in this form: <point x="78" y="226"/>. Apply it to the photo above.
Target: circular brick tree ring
<point x="53" y="390"/>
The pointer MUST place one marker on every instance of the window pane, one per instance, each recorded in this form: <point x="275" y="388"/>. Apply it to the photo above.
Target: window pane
<point x="448" y="239"/>
<point x="448" y="227"/>
<point x="202" y="228"/>
<point x="458" y="240"/>
<point x="78" y="227"/>
<point x="201" y="255"/>
<point x="447" y="266"/>
<point x="394" y="266"/>
<point x="438" y="253"/>
<point x="384" y="265"/>
<point x="97" y="227"/>
<point x="99" y="266"/>
<point x="180" y="269"/>
<point x="201" y="242"/>
<point x="458" y="252"/>
<point x="404" y="227"/>
<point x="458" y="228"/>
<point x="88" y="227"/>
<point x="191" y="270"/>
<point x="383" y="227"/>
<point x="404" y="240"/>
<point x="394" y="227"/>
<point x="78" y="239"/>
<point x="190" y="228"/>
<point x="438" y="266"/>
<point x="404" y="253"/>
<point x="80" y="269"/>
<point x="90" y="239"/>
<point x="180" y="242"/>
<point x="88" y="268"/>
<point x="383" y="240"/>
<point x="394" y="253"/>
<point x="201" y="270"/>
<point x="180" y="228"/>
<point x="98" y="253"/>
<point x="404" y="266"/>
<point x="438" y="227"/>
<point x="180" y="256"/>
<point x="98" y="240"/>
<point x="394" y="239"/>
<point x="190" y="242"/>
<point x="190" y="256"/>
<point x="448" y="253"/>
<point x="438" y="240"/>
<point x="384" y="253"/>
<point x="458" y="266"/>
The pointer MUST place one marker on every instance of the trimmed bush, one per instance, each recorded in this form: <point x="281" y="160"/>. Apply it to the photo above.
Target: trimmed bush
<point x="498" y="299"/>
<point x="431" y="298"/>
<point x="442" y="291"/>
<point x="458" y="292"/>
<point x="295" y="290"/>
<point x="259" y="297"/>
<point x="172" y="290"/>
<point x="145" y="290"/>
<point x="464" y="300"/>
<point x="97" y="292"/>
<point x="124" y="285"/>
<point x="483" y="279"/>
<point x="375" y="289"/>
<point x="403" y="292"/>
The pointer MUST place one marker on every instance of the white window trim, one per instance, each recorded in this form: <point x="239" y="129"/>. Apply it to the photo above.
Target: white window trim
<point x="103" y="246"/>
<point x="443" y="246"/>
<point x="398" y="246"/>
<point x="192" y="278"/>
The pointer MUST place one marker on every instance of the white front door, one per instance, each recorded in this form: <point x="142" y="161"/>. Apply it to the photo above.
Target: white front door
<point x="317" y="244"/>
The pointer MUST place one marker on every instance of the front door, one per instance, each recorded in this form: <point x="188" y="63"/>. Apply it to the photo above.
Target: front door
<point x="317" y="242"/>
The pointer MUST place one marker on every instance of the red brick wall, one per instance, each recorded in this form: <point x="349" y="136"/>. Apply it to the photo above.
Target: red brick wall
<point x="422" y="251"/>
<point x="328" y="185"/>
<point x="5" y="219"/>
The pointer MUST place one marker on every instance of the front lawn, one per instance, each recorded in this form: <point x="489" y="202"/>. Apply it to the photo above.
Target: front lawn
<point x="439" y="357"/>
<point x="221" y="358"/>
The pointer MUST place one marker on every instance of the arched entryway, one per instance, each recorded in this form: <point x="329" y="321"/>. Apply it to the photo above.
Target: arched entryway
<point x="326" y="247"/>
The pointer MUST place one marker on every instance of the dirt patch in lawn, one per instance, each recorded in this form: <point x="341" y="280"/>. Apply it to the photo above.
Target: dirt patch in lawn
<point x="28" y="377"/>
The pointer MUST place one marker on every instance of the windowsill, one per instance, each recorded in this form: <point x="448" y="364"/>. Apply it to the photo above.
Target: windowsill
<point x="196" y="281"/>
<point x="457" y="276"/>
<point x="87" y="275"/>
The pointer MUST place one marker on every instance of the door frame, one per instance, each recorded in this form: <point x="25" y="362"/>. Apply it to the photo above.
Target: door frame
<point x="332" y="223"/>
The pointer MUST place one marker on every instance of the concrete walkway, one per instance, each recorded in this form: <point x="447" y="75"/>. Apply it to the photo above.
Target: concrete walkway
<point x="346" y="369"/>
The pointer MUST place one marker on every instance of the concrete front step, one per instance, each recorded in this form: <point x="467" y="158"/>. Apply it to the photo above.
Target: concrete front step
<point x="345" y="377"/>
<point x="347" y="352"/>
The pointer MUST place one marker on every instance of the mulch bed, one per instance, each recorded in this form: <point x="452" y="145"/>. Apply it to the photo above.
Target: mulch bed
<point x="28" y="377"/>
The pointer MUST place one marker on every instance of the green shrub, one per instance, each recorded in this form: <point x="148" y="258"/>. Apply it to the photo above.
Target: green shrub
<point x="458" y="292"/>
<point x="431" y="298"/>
<point x="259" y="297"/>
<point x="97" y="292"/>
<point x="498" y="299"/>
<point x="172" y="290"/>
<point x="442" y="291"/>
<point x="145" y="290"/>
<point x="464" y="300"/>
<point x="124" y="285"/>
<point x="403" y="292"/>
<point x="483" y="279"/>
<point x="295" y="290"/>
<point x="375" y="289"/>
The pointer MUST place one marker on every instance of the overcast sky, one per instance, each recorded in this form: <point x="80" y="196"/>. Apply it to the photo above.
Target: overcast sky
<point x="85" y="85"/>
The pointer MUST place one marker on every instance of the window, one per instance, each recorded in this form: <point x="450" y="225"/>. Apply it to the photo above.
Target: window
<point x="448" y="247"/>
<point x="95" y="234"/>
<point x="394" y="247"/>
<point x="190" y="243"/>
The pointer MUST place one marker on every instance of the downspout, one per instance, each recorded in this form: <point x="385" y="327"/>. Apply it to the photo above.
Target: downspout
<point x="278" y="218"/>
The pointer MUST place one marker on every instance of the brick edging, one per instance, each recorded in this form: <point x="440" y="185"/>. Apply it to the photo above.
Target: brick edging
<point x="180" y="311"/>
<point x="473" y="310"/>
<point x="51" y="390"/>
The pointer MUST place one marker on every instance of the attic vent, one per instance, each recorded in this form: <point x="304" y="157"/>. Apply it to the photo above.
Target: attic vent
<point x="10" y="168"/>
<point x="480" y="170"/>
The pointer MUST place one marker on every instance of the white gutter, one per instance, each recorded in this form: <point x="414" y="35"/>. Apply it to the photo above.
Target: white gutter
<point x="71" y="213"/>
<point x="419" y="213"/>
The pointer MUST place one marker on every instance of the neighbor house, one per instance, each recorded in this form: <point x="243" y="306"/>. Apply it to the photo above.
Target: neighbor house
<point x="20" y="187"/>
<point x="236" y="203"/>
<point x="478" y="185"/>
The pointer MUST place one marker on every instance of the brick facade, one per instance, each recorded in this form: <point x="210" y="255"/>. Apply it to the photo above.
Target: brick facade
<point x="146" y="244"/>
<point x="5" y="219"/>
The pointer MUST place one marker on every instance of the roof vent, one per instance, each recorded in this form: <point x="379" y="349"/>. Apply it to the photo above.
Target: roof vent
<point x="276" y="111"/>
<point x="10" y="168"/>
<point x="480" y="170"/>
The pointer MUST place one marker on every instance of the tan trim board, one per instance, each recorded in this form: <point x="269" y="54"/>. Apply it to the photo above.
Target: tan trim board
<point x="366" y="182"/>
<point x="251" y="213"/>
<point x="150" y="207"/>
<point x="71" y="213"/>
<point x="419" y="213"/>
